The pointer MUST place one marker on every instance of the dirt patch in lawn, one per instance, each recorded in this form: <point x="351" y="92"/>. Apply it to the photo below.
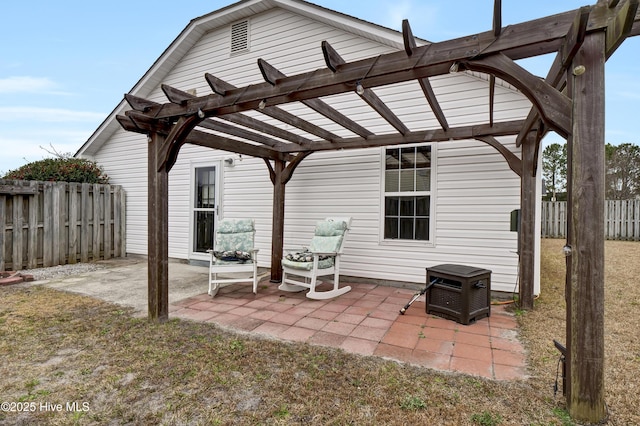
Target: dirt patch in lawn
<point x="68" y="359"/>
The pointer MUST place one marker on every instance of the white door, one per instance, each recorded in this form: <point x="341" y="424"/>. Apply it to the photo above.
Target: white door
<point x="204" y="209"/>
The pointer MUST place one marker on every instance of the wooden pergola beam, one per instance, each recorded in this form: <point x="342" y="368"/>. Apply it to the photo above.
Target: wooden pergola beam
<point x="272" y="75"/>
<point x="620" y="25"/>
<point x="179" y="97"/>
<point x="221" y="87"/>
<point x="557" y="74"/>
<point x="409" y="47"/>
<point x="518" y="41"/>
<point x="554" y="107"/>
<point x="497" y="17"/>
<point x="515" y="164"/>
<point x="436" y="135"/>
<point x="140" y="123"/>
<point x="334" y="60"/>
<point x="585" y="245"/>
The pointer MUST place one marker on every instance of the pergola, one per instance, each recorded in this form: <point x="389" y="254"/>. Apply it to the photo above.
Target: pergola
<point x="569" y="101"/>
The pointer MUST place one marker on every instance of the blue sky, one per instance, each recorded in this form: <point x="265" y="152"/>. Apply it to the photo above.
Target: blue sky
<point x="64" y="65"/>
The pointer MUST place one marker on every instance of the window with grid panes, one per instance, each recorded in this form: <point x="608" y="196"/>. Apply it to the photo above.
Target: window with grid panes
<point x="407" y="193"/>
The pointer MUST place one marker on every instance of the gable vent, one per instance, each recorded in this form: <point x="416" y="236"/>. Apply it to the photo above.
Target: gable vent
<point x="240" y="37"/>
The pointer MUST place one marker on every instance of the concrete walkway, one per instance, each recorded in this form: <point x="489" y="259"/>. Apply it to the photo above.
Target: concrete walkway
<point x="124" y="282"/>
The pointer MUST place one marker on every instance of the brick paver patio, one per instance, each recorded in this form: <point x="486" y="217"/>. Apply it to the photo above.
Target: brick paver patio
<point x="367" y="321"/>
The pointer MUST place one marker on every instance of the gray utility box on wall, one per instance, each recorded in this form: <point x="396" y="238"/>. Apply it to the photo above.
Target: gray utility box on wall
<point x="459" y="292"/>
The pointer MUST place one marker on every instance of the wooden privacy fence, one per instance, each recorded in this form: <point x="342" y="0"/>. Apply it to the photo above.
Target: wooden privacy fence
<point x="622" y="219"/>
<point x="56" y="223"/>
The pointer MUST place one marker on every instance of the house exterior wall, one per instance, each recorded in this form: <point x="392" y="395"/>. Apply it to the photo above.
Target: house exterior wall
<point x="474" y="191"/>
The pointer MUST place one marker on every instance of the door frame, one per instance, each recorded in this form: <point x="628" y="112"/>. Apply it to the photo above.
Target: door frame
<point x="193" y="255"/>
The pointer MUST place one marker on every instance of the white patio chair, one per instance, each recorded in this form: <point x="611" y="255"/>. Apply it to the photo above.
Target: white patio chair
<point x="233" y="253"/>
<point x="322" y="258"/>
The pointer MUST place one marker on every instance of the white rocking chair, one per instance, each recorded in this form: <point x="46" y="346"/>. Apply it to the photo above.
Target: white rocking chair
<point x="321" y="259"/>
<point x="233" y="252"/>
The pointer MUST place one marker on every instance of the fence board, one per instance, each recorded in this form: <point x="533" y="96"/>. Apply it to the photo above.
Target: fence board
<point x="3" y="209"/>
<point x="53" y="223"/>
<point x="47" y="223"/>
<point x="84" y="225"/>
<point x="17" y="229"/>
<point x="622" y="219"/>
<point x="96" y="222"/>
<point x="107" y="223"/>
<point x="72" y="246"/>
<point x="32" y="254"/>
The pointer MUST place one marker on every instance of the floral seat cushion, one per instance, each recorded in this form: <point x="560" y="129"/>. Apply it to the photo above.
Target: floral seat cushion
<point x="232" y="255"/>
<point x="304" y="260"/>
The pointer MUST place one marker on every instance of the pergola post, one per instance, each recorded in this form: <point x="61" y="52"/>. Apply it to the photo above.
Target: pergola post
<point x="158" y="231"/>
<point x="277" y="225"/>
<point x="585" y="242"/>
<point x="527" y="241"/>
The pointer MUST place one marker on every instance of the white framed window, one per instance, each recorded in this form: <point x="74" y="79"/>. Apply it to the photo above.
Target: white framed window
<point x="407" y="193"/>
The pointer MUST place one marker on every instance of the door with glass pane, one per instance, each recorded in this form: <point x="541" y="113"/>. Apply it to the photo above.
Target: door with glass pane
<point x="204" y="208"/>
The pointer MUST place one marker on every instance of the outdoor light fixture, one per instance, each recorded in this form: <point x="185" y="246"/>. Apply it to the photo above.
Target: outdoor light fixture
<point x="579" y="70"/>
<point x="454" y="67"/>
<point x="359" y="89"/>
<point x="262" y="104"/>
<point x="200" y="113"/>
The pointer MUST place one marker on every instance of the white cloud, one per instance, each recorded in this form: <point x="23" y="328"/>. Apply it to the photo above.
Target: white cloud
<point x="25" y="84"/>
<point x="48" y="115"/>
<point x="19" y="150"/>
<point x="419" y="15"/>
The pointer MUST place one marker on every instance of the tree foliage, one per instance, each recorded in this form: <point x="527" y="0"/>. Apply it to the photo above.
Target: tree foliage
<point x="60" y="169"/>
<point x="554" y="169"/>
<point x="623" y="171"/>
<point x="622" y="165"/>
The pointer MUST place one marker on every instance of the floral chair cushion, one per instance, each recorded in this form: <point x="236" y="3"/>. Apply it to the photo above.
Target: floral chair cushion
<point x="328" y="236"/>
<point x="304" y="260"/>
<point x="234" y="240"/>
<point x="232" y="255"/>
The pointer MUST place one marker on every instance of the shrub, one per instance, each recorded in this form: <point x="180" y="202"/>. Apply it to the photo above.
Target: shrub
<point x="61" y="169"/>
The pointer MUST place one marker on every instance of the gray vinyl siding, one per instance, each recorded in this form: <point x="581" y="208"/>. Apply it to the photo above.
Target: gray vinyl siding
<point x="474" y="190"/>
